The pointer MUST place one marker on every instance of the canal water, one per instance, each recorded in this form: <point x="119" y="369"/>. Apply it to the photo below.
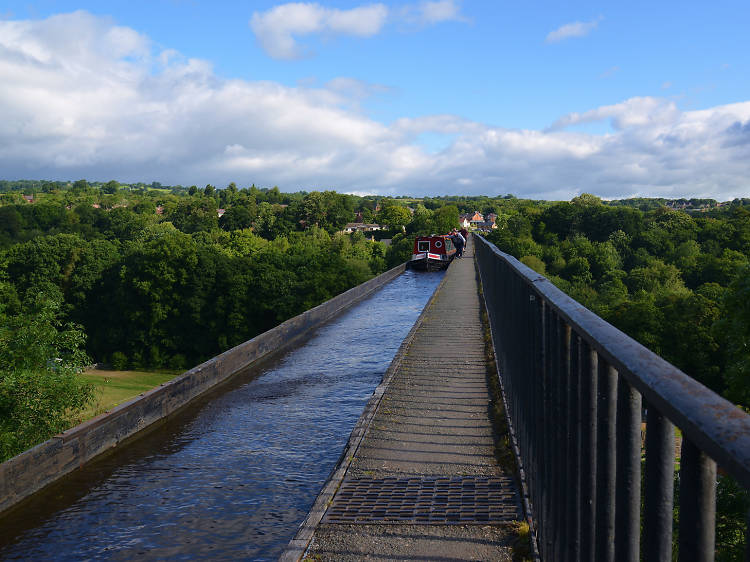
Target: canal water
<point x="234" y="475"/>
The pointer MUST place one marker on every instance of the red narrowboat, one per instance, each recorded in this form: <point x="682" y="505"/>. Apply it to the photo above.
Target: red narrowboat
<point x="432" y="252"/>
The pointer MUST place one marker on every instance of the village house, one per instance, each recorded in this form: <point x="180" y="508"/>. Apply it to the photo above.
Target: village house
<point x="361" y="227"/>
<point x="475" y="219"/>
<point x="485" y="226"/>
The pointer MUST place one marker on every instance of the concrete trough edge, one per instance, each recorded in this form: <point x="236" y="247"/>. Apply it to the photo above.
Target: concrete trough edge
<point x="34" y="469"/>
<point x="297" y="547"/>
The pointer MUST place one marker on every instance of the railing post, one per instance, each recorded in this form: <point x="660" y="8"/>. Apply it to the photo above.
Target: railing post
<point x="567" y="441"/>
<point x="552" y="437"/>
<point x="547" y="437"/>
<point x="576" y="468"/>
<point x="628" y="500"/>
<point x="538" y="467"/>
<point x="589" y="402"/>
<point x="605" y="466"/>
<point x="659" y="488"/>
<point x="697" y="504"/>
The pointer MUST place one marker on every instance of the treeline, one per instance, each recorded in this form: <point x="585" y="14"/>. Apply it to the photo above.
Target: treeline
<point x="171" y="299"/>
<point x="676" y="282"/>
<point x="169" y="282"/>
<point x="156" y="279"/>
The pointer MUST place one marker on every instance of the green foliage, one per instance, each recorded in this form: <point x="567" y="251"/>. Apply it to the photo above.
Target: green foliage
<point x="678" y="284"/>
<point x="394" y="216"/>
<point x="734" y="330"/>
<point x="732" y="505"/>
<point x="534" y="263"/>
<point x="673" y="282"/>
<point x="119" y="361"/>
<point x="445" y="219"/>
<point x="400" y="250"/>
<point x="328" y="210"/>
<point x="40" y="391"/>
<point x="195" y="215"/>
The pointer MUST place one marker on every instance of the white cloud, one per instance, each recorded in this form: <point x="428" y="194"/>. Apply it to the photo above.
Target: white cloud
<point x="276" y="29"/>
<point x="430" y="13"/>
<point x="81" y="97"/>
<point x="575" y="29"/>
<point x="635" y="111"/>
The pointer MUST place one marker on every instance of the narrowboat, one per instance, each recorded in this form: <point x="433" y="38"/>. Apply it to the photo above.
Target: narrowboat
<point x="432" y="252"/>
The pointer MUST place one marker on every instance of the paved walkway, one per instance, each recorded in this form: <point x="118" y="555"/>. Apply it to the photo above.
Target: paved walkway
<point x="421" y="482"/>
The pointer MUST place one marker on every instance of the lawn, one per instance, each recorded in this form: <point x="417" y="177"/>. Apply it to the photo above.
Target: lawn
<point x="116" y="387"/>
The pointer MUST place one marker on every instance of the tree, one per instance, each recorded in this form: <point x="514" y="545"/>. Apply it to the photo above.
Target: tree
<point x="111" y="187"/>
<point x="422" y="222"/>
<point x="445" y="219"/>
<point x="40" y="392"/>
<point x="313" y="209"/>
<point x="586" y="200"/>
<point x="237" y="217"/>
<point x="11" y="222"/>
<point x="195" y="215"/>
<point x="80" y="186"/>
<point x="394" y="217"/>
<point x="265" y="220"/>
<point x="400" y="249"/>
<point x="734" y="331"/>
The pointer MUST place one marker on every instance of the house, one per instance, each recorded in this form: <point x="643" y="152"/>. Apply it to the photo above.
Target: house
<point x="28" y="198"/>
<point x="361" y="227"/>
<point x="221" y="212"/>
<point x="471" y="219"/>
<point x="486" y="226"/>
<point x="476" y="218"/>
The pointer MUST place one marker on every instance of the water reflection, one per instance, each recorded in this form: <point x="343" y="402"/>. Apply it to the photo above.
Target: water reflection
<point x="235" y="475"/>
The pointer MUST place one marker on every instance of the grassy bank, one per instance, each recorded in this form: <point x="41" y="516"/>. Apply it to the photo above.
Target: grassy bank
<point x="115" y="387"/>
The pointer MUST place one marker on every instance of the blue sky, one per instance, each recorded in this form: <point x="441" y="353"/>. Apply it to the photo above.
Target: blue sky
<point x="427" y="97"/>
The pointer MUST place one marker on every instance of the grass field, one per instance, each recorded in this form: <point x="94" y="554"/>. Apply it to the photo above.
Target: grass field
<point x="116" y="387"/>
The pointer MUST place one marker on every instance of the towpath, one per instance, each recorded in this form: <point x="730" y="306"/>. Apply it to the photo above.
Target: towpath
<point x="419" y="480"/>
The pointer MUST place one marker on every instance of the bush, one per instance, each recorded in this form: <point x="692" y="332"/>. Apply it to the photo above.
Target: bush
<point x="40" y="391"/>
<point x="119" y="361"/>
<point x="534" y="263"/>
<point x="35" y="405"/>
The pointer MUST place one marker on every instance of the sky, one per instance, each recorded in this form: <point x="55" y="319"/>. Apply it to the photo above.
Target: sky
<point x="543" y="100"/>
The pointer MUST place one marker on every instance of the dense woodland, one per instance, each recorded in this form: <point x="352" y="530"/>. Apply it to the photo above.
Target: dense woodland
<point x="152" y="276"/>
<point x="142" y="276"/>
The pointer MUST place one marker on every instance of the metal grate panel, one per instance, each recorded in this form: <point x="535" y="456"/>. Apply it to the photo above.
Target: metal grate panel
<point x="424" y="500"/>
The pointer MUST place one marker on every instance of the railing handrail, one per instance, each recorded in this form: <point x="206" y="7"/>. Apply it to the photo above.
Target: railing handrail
<point x="711" y="422"/>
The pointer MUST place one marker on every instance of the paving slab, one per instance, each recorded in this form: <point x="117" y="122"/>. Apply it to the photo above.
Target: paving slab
<point x="421" y="482"/>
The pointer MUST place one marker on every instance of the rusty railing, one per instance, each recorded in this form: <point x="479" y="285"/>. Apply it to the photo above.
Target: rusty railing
<point x="578" y="392"/>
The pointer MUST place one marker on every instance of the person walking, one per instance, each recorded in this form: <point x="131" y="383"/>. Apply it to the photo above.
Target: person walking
<point x="465" y="233"/>
<point x="459" y="242"/>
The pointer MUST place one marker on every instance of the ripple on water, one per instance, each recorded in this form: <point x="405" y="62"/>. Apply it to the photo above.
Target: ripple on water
<point x="235" y="475"/>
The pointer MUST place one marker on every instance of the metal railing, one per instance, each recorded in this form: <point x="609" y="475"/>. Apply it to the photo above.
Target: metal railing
<point x="576" y="389"/>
